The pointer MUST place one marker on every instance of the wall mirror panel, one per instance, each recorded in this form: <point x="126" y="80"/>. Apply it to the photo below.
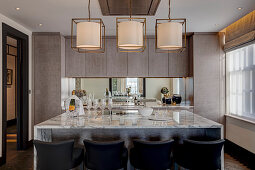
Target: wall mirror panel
<point x="149" y="88"/>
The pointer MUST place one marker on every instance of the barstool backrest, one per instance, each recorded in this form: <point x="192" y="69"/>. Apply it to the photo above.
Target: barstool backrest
<point x="54" y="155"/>
<point x="204" y="154"/>
<point x="103" y="155"/>
<point x="153" y="154"/>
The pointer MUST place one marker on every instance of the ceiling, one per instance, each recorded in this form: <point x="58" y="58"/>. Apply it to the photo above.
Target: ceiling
<point x="56" y="15"/>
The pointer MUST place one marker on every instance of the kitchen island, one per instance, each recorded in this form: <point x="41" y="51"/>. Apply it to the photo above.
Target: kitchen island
<point x="127" y="125"/>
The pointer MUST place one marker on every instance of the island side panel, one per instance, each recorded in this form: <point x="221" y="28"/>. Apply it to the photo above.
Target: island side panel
<point x="42" y="135"/>
<point x="128" y="134"/>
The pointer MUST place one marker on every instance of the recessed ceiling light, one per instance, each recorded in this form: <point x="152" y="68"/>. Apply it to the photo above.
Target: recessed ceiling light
<point x="239" y="8"/>
<point x="17" y="9"/>
<point x="40" y="25"/>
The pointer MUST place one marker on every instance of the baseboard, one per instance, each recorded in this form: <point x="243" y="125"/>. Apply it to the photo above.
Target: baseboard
<point x="244" y="156"/>
<point x="11" y="122"/>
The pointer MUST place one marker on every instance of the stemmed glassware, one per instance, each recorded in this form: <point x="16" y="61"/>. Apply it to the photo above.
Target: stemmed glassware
<point x="95" y="104"/>
<point x="110" y="105"/>
<point x="89" y="105"/>
<point x="102" y="106"/>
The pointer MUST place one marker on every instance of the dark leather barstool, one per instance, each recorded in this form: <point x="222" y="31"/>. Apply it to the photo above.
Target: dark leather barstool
<point x="105" y="155"/>
<point x="151" y="155"/>
<point x="58" y="155"/>
<point x="198" y="155"/>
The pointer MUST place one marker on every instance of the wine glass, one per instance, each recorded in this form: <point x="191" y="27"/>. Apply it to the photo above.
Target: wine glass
<point x="110" y="105"/>
<point x="89" y="105"/>
<point x="102" y="106"/>
<point x="95" y="104"/>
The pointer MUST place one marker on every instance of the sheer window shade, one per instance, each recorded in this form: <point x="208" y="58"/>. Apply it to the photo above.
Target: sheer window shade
<point x="241" y="81"/>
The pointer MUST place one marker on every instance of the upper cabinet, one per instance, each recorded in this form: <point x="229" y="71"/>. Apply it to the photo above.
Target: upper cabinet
<point x="158" y="62"/>
<point x="179" y="63"/>
<point x="116" y="61"/>
<point x="112" y="63"/>
<point x="74" y="61"/>
<point x="138" y="63"/>
<point x="95" y="64"/>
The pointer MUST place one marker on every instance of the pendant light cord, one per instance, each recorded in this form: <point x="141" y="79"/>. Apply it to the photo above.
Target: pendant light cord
<point x="89" y="9"/>
<point x="169" y="12"/>
<point x="130" y="8"/>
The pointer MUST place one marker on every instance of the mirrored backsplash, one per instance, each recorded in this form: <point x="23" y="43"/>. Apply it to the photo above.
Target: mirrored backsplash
<point x="150" y="88"/>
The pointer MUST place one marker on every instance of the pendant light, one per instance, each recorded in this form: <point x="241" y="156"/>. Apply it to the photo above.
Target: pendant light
<point x="89" y="33"/>
<point x="131" y="33"/>
<point x="168" y="34"/>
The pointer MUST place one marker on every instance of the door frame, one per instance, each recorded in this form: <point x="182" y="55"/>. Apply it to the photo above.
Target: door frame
<point x="22" y="88"/>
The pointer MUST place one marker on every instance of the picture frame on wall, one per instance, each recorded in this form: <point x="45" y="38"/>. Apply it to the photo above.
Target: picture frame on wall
<point x="9" y="76"/>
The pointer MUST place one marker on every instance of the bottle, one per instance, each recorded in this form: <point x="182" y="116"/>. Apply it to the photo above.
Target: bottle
<point x="135" y="100"/>
<point x="72" y="103"/>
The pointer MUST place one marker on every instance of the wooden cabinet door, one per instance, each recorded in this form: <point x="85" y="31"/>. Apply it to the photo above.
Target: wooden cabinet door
<point x="158" y="62"/>
<point x="95" y="64"/>
<point x="116" y="61"/>
<point x="138" y="63"/>
<point x="179" y="63"/>
<point x="74" y="61"/>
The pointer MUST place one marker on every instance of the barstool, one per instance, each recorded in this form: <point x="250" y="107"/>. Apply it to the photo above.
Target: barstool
<point x="198" y="155"/>
<point x="105" y="155"/>
<point x="58" y="155"/>
<point x="151" y="155"/>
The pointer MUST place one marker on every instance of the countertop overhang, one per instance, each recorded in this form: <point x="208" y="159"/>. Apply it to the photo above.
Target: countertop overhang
<point x="133" y="120"/>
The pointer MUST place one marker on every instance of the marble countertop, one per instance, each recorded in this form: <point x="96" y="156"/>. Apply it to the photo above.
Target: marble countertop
<point x="129" y="119"/>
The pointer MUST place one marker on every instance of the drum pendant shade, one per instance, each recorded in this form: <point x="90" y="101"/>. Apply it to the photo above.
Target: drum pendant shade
<point x="88" y="35"/>
<point x="130" y="35"/>
<point x="169" y="36"/>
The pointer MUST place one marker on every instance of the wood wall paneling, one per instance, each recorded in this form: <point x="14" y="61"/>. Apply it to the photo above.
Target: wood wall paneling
<point x="121" y="7"/>
<point x="95" y="64"/>
<point x="190" y="53"/>
<point x="116" y="61"/>
<point x="47" y="76"/>
<point x="179" y="63"/>
<point x="158" y="62"/>
<point x="138" y="63"/>
<point x="133" y="64"/>
<point x="75" y="62"/>
<point x="207" y="75"/>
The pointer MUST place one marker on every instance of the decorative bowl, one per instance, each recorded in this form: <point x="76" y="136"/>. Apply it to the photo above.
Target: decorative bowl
<point x="146" y="111"/>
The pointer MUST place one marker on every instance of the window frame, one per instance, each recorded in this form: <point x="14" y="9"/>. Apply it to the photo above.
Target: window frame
<point x="239" y="71"/>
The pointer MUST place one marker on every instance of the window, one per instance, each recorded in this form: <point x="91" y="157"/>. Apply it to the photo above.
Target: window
<point x="133" y="83"/>
<point x="120" y="85"/>
<point x="240" y="82"/>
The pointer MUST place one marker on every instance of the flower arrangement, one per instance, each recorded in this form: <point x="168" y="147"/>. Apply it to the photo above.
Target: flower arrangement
<point x="164" y="90"/>
<point x="80" y="93"/>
